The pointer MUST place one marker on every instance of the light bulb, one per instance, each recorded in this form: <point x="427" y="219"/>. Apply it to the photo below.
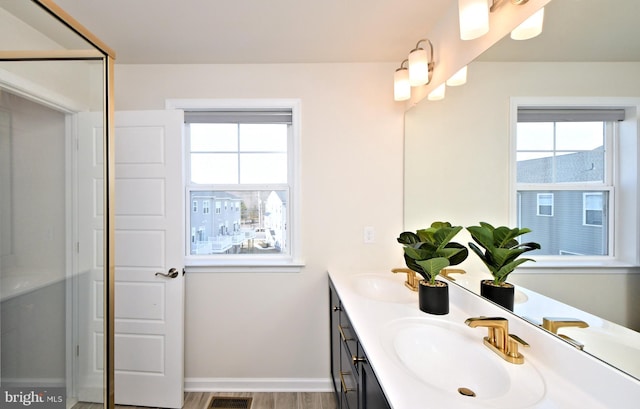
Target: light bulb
<point x="418" y="67"/>
<point x="529" y="28"/>
<point x="474" y="18"/>
<point x="459" y="78"/>
<point x="437" y="94"/>
<point x="401" y="87"/>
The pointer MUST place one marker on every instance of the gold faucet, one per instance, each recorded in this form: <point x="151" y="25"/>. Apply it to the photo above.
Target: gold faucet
<point x="446" y="271"/>
<point x="499" y="340"/>
<point x="553" y="324"/>
<point x="412" y="279"/>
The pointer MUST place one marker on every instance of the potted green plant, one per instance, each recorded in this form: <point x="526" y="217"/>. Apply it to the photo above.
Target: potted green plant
<point x="499" y="250"/>
<point x="427" y="252"/>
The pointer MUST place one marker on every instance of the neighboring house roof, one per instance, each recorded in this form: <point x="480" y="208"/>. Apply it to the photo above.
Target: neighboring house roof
<point x="282" y="195"/>
<point x="214" y="195"/>
<point x="584" y="166"/>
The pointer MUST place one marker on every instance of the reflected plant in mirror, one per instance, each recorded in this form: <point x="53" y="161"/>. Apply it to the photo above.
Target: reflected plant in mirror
<point x="500" y="250"/>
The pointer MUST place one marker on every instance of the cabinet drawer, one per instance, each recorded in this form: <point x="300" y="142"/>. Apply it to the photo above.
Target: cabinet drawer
<point x="348" y="380"/>
<point x="348" y="335"/>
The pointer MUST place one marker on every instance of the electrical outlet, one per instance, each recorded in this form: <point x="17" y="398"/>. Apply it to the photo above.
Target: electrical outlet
<point x="369" y="234"/>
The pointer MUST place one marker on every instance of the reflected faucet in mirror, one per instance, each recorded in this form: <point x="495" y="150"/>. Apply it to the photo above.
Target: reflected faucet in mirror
<point x="553" y="324"/>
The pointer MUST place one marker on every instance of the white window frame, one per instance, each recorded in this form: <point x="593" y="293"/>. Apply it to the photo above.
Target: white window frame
<point x="291" y="262"/>
<point x="624" y="188"/>
<point x="538" y="196"/>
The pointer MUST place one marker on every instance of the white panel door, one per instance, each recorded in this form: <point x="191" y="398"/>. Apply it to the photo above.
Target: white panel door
<point x="88" y="265"/>
<point x="149" y="307"/>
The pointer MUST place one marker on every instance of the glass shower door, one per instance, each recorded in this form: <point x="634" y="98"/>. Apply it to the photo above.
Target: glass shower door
<point x="56" y="290"/>
<point x="51" y="258"/>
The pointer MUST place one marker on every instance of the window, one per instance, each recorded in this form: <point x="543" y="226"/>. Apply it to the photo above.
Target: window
<point x="564" y="168"/>
<point x="592" y="209"/>
<point x="545" y="204"/>
<point x="243" y="159"/>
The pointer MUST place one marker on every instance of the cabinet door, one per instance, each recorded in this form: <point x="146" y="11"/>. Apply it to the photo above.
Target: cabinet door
<point x="371" y="394"/>
<point x="334" y="322"/>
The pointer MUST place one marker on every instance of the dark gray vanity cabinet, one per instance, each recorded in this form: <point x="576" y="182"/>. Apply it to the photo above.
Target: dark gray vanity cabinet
<point x="354" y="381"/>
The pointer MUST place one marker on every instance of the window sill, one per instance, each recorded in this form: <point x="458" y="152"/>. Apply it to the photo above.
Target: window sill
<point x="243" y="266"/>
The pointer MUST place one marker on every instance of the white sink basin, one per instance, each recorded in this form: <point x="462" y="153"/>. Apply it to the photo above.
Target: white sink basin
<point x="450" y="357"/>
<point x="383" y="288"/>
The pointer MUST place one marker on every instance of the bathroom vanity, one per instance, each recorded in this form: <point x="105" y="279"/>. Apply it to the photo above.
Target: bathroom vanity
<point x="353" y="378"/>
<point x="386" y="353"/>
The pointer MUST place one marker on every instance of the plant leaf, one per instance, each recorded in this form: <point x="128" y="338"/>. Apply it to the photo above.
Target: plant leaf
<point x="416" y="254"/>
<point x="408" y="237"/>
<point x="445" y="234"/>
<point x="482" y="235"/>
<point x="502" y="274"/>
<point x="459" y="257"/>
<point x="433" y="267"/>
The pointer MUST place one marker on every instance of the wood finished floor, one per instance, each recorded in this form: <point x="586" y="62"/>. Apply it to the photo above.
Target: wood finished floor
<point x="261" y="400"/>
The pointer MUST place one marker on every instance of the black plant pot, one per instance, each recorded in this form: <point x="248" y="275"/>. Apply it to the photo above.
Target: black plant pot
<point x="433" y="299"/>
<point x="502" y="295"/>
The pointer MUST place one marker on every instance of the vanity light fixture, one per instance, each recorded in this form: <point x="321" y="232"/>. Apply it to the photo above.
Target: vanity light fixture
<point x="401" y="86"/>
<point x="438" y="93"/>
<point x="474" y="16"/>
<point x="420" y="64"/>
<point x="459" y="78"/>
<point x="529" y="28"/>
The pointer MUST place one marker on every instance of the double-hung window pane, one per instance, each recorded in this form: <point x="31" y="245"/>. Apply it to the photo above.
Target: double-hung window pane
<point x="564" y="184"/>
<point x="240" y="163"/>
<point x="238" y="153"/>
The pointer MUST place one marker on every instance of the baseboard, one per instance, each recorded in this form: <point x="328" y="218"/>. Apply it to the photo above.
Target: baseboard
<point x="33" y="382"/>
<point x="258" y="385"/>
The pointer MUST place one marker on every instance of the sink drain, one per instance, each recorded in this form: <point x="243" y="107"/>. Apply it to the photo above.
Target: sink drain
<point x="466" y="392"/>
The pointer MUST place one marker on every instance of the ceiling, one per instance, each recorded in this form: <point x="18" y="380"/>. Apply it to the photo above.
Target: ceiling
<point x="257" y="31"/>
<point x="327" y="31"/>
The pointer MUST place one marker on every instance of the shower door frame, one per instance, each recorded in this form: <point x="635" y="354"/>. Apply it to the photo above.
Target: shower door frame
<point x="105" y="54"/>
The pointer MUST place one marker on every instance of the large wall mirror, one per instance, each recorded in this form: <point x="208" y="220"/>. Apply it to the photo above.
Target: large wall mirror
<point x="458" y="164"/>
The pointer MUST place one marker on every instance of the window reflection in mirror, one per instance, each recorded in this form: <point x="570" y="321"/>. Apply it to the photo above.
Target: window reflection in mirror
<point x="471" y="136"/>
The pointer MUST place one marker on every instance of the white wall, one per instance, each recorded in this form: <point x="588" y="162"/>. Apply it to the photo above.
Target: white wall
<point x="275" y="326"/>
<point x="457" y="158"/>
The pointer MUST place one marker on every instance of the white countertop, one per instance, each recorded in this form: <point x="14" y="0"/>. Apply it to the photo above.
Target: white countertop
<point x="572" y="379"/>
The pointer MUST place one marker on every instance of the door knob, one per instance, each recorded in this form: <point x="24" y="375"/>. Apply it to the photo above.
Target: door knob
<point x="172" y="273"/>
